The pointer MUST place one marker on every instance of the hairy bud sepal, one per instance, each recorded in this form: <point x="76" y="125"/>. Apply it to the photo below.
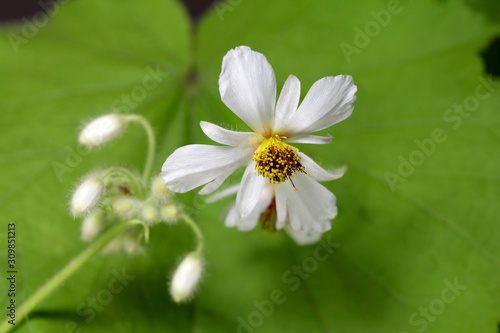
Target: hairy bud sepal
<point x="187" y="278"/>
<point x="102" y="130"/>
<point x="87" y="196"/>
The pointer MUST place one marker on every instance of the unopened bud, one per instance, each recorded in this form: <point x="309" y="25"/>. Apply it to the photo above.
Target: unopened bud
<point x="149" y="213"/>
<point x="170" y="212"/>
<point x="186" y="278"/>
<point x="102" y="130"/>
<point x="86" y="196"/>
<point x="92" y="225"/>
<point x="123" y="206"/>
<point x="159" y="189"/>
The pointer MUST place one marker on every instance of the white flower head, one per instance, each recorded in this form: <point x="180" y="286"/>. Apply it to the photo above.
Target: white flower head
<point x="87" y="196"/>
<point x="247" y="86"/>
<point x="186" y="278"/>
<point x="102" y="129"/>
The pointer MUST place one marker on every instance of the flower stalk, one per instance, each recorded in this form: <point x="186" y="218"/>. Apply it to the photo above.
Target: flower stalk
<point x="151" y="143"/>
<point x="197" y="232"/>
<point x="72" y="267"/>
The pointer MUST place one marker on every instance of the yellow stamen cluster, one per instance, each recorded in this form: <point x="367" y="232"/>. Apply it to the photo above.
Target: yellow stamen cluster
<point x="277" y="161"/>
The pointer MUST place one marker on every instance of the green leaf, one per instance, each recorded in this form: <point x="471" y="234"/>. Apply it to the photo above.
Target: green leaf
<point x="91" y="57"/>
<point x="489" y="8"/>
<point x="399" y="247"/>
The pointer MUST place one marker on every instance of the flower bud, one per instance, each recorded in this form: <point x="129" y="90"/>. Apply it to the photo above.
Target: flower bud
<point x="170" y="212"/>
<point x="92" y="225"/>
<point x="86" y="196"/>
<point x="102" y="130"/>
<point x="159" y="189"/>
<point x="149" y="213"/>
<point x="123" y="206"/>
<point x="186" y="278"/>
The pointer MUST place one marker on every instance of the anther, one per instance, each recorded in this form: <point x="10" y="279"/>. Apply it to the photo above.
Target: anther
<point x="277" y="161"/>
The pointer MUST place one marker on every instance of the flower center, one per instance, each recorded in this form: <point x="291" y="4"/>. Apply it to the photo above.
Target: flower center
<point x="277" y="161"/>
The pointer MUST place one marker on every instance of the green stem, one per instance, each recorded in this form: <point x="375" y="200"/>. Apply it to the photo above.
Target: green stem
<point x="145" y="227"/>
<point x="199" y="236"/>
<point x="151" y="143"/>
<point x="64" y="274"/>
<point x="137" y="187"/>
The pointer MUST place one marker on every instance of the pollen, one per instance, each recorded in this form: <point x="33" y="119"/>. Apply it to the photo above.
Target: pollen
<point x="277" y="161"/>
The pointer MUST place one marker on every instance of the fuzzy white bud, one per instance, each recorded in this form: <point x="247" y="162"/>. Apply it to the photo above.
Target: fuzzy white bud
<point x="86" y="196"/>
<point x="92" y="225"/>
<point x="159" y="189"/>
<point x="102" y="130"/>
<point x="170" y="212"/>
<point x="186" y="278"/>
<point x="149" y="213"/>
<point x="123" y="206"/>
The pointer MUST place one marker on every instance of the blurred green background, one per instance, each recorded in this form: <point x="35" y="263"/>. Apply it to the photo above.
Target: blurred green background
<point x="418" y="231"/>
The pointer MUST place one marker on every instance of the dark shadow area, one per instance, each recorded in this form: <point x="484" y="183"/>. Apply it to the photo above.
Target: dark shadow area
<point x="197" y="8"/>
<point x="491" y="58"/>
<point x="15" y="10"/>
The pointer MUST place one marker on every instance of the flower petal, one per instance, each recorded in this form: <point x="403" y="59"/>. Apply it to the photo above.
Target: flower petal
<point x="311" y="207"/>
<point x="281" y="207"/>
<point x="287" y="102"/>
<point x="303" y="237"/>
<point x="232" y="218"/>
<point x="247" y="86"/>
<point x="317" y="172"/>
<point x="249" y="222"/>
<point x="227" y="137"/>
<point x="194" y="165"/>
<point x="329" y="101"/>
<point x="250" y="190"/>
<point x="217" y="182"/>
<point x="314" y="139"/>
<point x="233" y="189"/>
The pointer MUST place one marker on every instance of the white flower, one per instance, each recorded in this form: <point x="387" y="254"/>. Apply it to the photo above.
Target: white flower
<point x="86" y="196"/>
<point x="186" y="278"/>
<point x="247" y="86"/>
<point x="102" y="129"/>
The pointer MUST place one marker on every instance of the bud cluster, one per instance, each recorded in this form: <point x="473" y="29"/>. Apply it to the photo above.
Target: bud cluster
<point x="116" y="195"/>
<point x="107" y="197"/>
